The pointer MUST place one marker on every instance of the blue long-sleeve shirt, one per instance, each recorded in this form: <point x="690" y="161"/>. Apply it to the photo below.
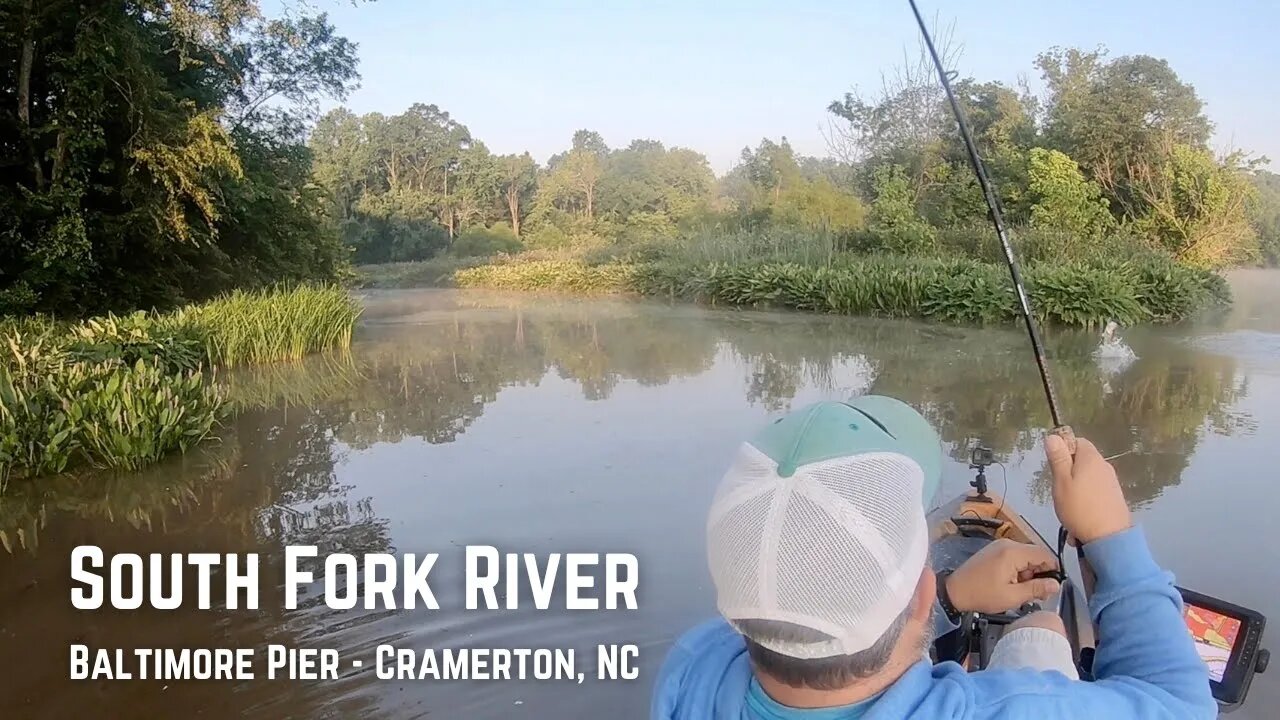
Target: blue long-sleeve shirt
<point x="1145" y="666"/>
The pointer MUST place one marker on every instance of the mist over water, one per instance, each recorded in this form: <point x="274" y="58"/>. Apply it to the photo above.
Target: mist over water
<point x="543" y="425"/>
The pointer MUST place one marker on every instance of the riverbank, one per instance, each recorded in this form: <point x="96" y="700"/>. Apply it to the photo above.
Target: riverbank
<point x="123" y="391"/>
<point x="946" y="290"/>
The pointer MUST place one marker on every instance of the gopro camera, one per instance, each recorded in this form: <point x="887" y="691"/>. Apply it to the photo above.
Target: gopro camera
<point x="982" y="457"/>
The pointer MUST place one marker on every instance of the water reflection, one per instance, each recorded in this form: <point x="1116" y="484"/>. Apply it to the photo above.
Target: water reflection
<point x="430" y="374"/>
<point x="540" y="423"/>
<point x="428" y="369"/>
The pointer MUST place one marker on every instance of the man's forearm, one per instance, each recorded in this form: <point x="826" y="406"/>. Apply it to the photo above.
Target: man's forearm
<point x="1141" y="631"/>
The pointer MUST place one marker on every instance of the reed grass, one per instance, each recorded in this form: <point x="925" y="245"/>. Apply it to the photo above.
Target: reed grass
<point x="250" y="328"/>
<point x="123" y="391"/>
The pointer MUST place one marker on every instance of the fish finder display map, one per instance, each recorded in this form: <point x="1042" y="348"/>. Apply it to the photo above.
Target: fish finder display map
<point x="1215" y="635"/>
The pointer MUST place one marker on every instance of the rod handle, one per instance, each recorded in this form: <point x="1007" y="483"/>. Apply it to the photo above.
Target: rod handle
<point x="1068" y="435"/>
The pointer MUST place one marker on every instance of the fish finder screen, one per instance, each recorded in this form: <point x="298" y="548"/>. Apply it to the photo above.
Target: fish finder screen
<point x="1215" y="635"/>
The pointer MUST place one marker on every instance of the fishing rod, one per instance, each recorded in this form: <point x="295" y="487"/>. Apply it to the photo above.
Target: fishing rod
<point x="1247" y="657"/>
<point x="993" y="205"/>
<point x="1060" y="428"/>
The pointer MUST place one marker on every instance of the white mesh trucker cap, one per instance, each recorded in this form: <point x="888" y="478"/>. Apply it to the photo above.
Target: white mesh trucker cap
<point x="820" y="522"/>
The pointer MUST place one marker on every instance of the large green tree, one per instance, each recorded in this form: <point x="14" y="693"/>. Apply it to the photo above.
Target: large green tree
<point x="1109" y="115"/>
<point x="771" y="185"/>
<point x="152" y="151"/>
<point x="402" y="185"/>
<point x="573" y="178"/>
<point x="649" y="186"/>
<point x="519" y="181"/>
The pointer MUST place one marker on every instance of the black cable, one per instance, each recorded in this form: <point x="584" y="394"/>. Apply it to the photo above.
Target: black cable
<point x="1004" y="473"/>
<point x="993" y="205"/>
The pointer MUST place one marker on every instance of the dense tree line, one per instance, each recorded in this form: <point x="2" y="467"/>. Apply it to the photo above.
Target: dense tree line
<point x="1114" y="152"/>
<point x="1113" y="156"/>
<point x="153" y="151"/>
<point x="410" y="186"/>
<point x="158" y="151"/>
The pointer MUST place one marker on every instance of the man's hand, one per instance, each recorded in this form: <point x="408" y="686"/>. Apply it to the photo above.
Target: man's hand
<point x="1086" y="493"/>
<point x="999" y="578"/>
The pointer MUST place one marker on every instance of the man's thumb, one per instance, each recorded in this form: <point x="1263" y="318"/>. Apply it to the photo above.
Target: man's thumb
<point x="1060" y="461"/>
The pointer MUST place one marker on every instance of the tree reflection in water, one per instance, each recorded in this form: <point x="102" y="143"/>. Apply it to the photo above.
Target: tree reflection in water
<point x="426" y="367"/>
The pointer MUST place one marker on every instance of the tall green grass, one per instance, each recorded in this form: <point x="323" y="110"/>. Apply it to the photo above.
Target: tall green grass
<point x="964" y="291"/>
<point x="122" y="391"/>
<point x="246" y="328"/>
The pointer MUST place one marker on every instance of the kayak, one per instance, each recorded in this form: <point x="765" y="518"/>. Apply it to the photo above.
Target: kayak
<point x="958" y="530"/>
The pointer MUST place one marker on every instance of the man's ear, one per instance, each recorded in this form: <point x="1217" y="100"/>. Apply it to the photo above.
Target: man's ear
<point x="926" y="593"/>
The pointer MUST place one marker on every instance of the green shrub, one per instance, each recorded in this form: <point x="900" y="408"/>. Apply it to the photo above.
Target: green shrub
<point x="483" y="242"/>
<point x="548" y="236"/>
<point x="1031" y="245"/>
<point x="893" y="224"/>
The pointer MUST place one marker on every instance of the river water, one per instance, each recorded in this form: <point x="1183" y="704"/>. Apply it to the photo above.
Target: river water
<point x="546" y="425"/>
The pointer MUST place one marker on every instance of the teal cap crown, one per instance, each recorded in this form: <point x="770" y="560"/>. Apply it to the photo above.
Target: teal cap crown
<point x="870" y="423"/>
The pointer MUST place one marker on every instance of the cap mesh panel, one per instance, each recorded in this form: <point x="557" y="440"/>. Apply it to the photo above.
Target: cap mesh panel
<point x="734" y="549"/>
<point x="822" y="571"/>
<point x="841" y="557"/>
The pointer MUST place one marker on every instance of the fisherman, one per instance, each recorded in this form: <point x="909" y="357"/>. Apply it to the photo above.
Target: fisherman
<point x="818" y="550"/>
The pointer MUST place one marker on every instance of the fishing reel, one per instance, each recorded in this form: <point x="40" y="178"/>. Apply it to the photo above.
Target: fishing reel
<point x="981" y="458"/>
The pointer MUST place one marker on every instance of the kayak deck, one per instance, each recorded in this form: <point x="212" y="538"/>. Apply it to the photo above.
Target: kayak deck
<point x="960" y="528"/>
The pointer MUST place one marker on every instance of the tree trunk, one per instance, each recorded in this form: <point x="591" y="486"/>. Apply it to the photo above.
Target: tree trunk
<point x="591" y="202"/>
<point x="24" y="88"/>
<point x="448" y="208"/>
<point x="59" y="156"/>
<point x="393" y="171"/>
<point x="513" y="206"/>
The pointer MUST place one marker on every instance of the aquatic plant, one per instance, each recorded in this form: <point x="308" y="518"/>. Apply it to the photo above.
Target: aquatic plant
<point x="122" y="391"/>
<point x="951" y="290"/>
<point x="57" y="411"/>
<point x="273" y="325"/>
<point x="557" y="275"/>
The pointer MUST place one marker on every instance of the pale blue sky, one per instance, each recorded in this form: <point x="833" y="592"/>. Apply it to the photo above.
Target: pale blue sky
<point x="716" y="75"/>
